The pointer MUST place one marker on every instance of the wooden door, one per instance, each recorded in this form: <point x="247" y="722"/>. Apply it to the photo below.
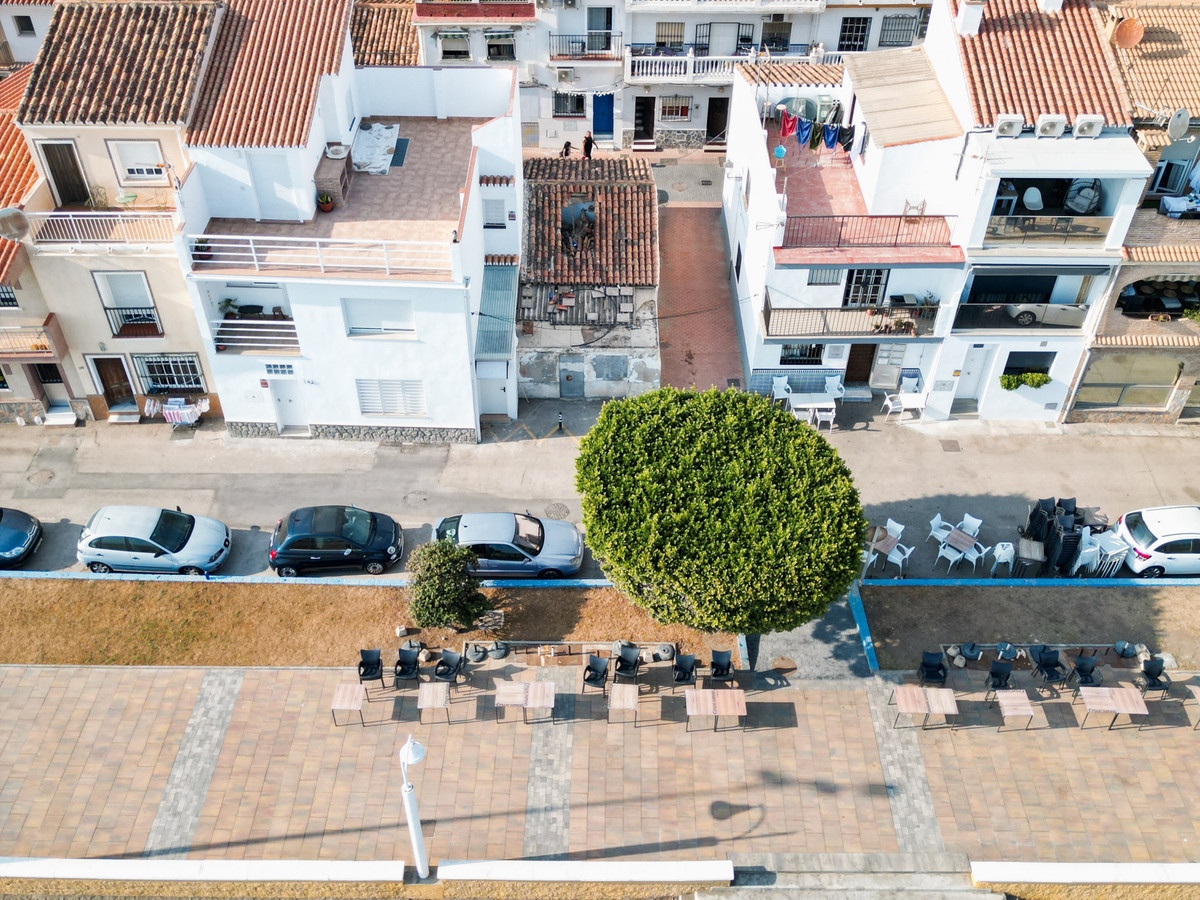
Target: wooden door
<point x="66" y="175"/>
<point x="858" y="366"/>
<point x="114" y="381"/>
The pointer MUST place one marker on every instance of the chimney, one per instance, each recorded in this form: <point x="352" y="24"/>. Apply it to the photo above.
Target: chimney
<point x="970" y="14"/>
<point x="1051" y="6"/>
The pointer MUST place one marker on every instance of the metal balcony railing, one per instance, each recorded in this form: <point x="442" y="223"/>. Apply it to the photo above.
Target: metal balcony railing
<point x="133" y="321"/>
<point x="593" y="45"/>
<point x="841" y="322"/>
<point x="23" y="341"/>
<point x="101" y="227"/>
<point x="867" y="231"/>
<point x="1047" y="229"/>
<point x="266" y="334"/>
<point x="324" y="255"/>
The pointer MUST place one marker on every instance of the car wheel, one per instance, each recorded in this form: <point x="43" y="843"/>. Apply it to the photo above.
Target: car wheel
<point x="1026" y="317"/>
<point x="549" y="573"/>
<point x="286" y="572"/>
<point x="374" y="568"/>
<point x="191" y="570"/>
<point x="1152" y="572"/>
<point x="100" y="568"/>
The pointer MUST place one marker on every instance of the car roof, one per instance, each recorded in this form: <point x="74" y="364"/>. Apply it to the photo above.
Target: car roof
<point x="486" y="527"/>
<point x="300" y="521"/>
<point x="125" y="520"/>
<point x="1166" y="521"/>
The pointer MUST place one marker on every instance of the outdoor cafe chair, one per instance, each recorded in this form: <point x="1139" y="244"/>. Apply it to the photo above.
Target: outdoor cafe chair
<point x="825" y="417"/>
<point x="684" y="671"/>
<point x="891" y="404"/>
<point x="999" y="678"/>
<point x="628" y="663"/>
<point x="899" y="556"/>
<point x="596" y="674"/>
<point x="1053" y="672"/>
<point x="970" y="525"/>
<point x="932" y="670"/>
<point x="370" y="666"/>
<point x="976" y="553"/>
<point x="722" y="669"/>
<point x="938" y="528"/>
<point x="947" y="552"/>
<point x="1003" y="554"/>
<point x="834" y="386"/>
<point x="449" y="667"/>
<point x="780" y="389"/>
<point x="408" y="665"/>
<point x="1085" y="674"/>
<point x="1153" y="678"/>
<point x="894" y="528"/>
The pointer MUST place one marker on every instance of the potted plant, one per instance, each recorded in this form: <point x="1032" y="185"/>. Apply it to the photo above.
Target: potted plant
<point x="228" y="308"/>
<point x="324" y="202"/>
<point x="200" y="250"/>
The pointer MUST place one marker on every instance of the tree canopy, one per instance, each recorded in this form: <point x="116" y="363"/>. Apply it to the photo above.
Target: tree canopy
<point x="442" y="592"/>
<point x="719" y="510"/>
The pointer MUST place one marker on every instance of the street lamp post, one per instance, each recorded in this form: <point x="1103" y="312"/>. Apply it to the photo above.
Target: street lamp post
<point x="411" y="754"/>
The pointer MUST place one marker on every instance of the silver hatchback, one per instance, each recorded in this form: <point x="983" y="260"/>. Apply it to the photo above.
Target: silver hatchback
<point x="147" y="539"/>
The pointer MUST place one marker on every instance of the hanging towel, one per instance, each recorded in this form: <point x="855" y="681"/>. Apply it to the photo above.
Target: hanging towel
<point x="787" y="125"/>
<point x="831" y="136"/>
<point x="804" y="129"/>
<point x="815" y="143"/>
<point x="845" y="137"/>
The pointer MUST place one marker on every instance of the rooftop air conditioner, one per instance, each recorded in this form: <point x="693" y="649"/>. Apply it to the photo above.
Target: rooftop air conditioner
<point x="567" y="75"/>
<point x="1009" y="125"/>
<point x="1088" y="126"/>
<point x="1051" y="126"/>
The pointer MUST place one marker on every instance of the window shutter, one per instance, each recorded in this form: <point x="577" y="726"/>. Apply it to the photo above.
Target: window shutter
<point x="385" y="397"/>
<point x="377" y="316"/>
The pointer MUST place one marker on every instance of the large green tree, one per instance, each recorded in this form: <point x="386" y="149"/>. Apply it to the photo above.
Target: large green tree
<point x="719" y="510"/>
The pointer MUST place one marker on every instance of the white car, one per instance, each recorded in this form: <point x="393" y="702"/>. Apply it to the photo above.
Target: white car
<point x="1163" y="541"/>
<point x="148" y="539"/>
<point x="1048" y="313"/>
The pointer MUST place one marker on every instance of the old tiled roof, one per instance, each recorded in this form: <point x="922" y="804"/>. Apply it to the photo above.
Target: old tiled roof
<point x="790" y="73"/>
<point x="1030" y="62"/>
<point x="1163" y="70"/>
<point x="119" y="62"/>
<point x="506" y="11"/>
<point x="1153" y="238"/>
<point x="261" y="87"/>
<point x="17" y="172"/>
<point x="496" y="180"/>
<point x="625" y="247"/>
<point x="1146" y="340"/>
<point x="384" y="34"/>
<point x="501" y="259"/>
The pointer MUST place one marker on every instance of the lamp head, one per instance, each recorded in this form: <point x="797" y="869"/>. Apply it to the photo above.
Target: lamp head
<point x="412" y="752"/>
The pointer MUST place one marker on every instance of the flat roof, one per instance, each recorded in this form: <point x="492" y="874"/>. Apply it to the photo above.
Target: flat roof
<point x="901" y="98"/>
<point x="1107" y="156"/>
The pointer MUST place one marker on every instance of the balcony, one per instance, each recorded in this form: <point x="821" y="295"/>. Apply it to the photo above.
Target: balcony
<point x="848" y="323"/>
<point x="131" y="321"/>
<point x="1046" y="230"/>
<point x="651" y="64"/>
<point x="328" y="256"/>
<point x="598" y="45"/>
<point x="101" y="227"/>
<point x="1019" y="311"/>
<point x="252" y="335"/>
<point x="867" y="231"/>
<point x="33" y="343"/>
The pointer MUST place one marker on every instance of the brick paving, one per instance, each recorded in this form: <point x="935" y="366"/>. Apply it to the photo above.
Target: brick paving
<point x="698" y="339"/>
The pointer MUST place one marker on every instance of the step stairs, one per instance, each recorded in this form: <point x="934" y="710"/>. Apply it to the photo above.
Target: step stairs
<point x="295" y="431"/>
<point x="132" y="417"/>
<point x="857" y="393"/>
<point x="60" y="416"/>
<point x="645" y="146"/>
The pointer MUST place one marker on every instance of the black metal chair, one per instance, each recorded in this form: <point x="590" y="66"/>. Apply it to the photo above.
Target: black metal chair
<point x="999" y="678"/>
<point x="408" y="666"/>
<point x="370" y="666"/>
<point x="684" y="671"/>
<point x="722" y="669"/>
<point x="596" y="674"/>
<point x="1153" y="677"/>
<point x="449" y="667"/>
<point x="1085" y="675"/>
<point x="1050" y="667"/>
<point x="932" y="670"/>
<point x="628" y="663"/>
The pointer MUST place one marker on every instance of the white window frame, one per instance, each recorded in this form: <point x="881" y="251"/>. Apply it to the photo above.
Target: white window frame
<point x="452" y="37"/>
<point x="499" y="40"/>
<point x="137" y="172"/>
<point x="399" y="320"/>
<point x="678" y="102"/>
<point x="31" y="31"/>
<point x="109" y="300"/>
<point x="495" y="213"/>
<point x="391" y="397"/>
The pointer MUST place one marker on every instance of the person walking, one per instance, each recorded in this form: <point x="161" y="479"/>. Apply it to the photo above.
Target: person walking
<point x="588" y="144"/>
<point x="565" y="153"/>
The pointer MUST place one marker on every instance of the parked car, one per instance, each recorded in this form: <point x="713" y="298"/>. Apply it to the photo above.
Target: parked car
<point x="148" y="539"/>
<point x="334" y="537"/>
<point x="515" y="544"/>
<point x="20" y="534"/>
<point x="1047" y="313"/>
<point x="1164" y="540"/>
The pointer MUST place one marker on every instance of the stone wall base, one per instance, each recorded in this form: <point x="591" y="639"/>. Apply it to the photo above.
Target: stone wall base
<point x="388" y="434"/>
<point x="26" y="409"/>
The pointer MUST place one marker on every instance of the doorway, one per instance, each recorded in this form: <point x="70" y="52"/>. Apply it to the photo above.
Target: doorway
<point x="114" y="381"/>
<point x="716" y="123"/>
<point x="54" y="389"/>
<point x="975" y="364"/>
<point x="274" y="201"/>
<point x="602" y="116"/>
<point x="570" y="377"/>
<point x="643" y="118"/>
<point x="66" y="174"/>
<point x="289" y="406"/>
<point x="492" y="377"/>
<point x="858" y="365"/>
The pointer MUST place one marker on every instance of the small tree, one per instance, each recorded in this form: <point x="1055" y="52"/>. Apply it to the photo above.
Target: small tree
<point x="442" y="592"/>
<point x="719" y="510"/>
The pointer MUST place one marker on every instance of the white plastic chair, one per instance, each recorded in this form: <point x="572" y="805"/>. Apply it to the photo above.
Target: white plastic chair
<point x="804" y="415"/>
<point x="908" y="385"/>
<point x="970" y="525"/>
<point x="1087" y="559"/>
<point x="1003" y="552"/>
<point x="780" y="389"/>
<point x="899" y="555"/>
<point x="976" y="553"/>
<point x="833" y="385"/>
<point x="938" y="528"/>
<point x="891" y="404"/>
<point x="869" y="558"/>
<point x="825" y="417"/>
<point x="894" y="528"/>
<point x="948" y="553"/>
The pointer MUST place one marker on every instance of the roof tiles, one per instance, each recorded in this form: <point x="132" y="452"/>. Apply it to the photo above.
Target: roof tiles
<point x="790" y="73"/>
<point x="506" y="11"/>
<point x="119" y="62"/>
<point x="384" y="34"/>
<point x="17" y="172"/>
<point x="1163" y="70"/>
<point x="261" y="87"/>
<point x="625" y="244"/>
<point x="1030" y="62"/>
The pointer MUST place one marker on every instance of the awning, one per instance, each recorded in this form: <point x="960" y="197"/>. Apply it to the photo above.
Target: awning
<point x="1033" y="269"/>
<point x="496" y="329"/>
<point x="452" y="35"/>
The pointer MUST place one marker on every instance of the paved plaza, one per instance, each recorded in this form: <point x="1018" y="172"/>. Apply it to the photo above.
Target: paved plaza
<point x="247" y="764"/>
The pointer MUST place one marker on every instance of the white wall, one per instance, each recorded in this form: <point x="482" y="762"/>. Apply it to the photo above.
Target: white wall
<point x="25" y="47"/>
<point x="891" y="176"/>
<point x="461" y="92"/>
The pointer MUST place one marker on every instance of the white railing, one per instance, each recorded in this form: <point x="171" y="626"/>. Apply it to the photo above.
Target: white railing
<point x="326" y="255"/>
<point x="690" y="68"/>
<point x="25" y="341"/>
<point x="258" y="335"/>
<point x="101" y="227"/>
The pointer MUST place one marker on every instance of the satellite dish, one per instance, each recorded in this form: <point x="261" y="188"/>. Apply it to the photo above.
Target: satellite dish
<point x="13" y="224"/>
<point x="1128" y="33"/>
<point x="1177" y="125"/>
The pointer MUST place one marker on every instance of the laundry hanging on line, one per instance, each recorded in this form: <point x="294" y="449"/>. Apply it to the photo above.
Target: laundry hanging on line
<point x="804" y="130"/>
<point x="831" y="136"/>
<point x="787" y="125"/>
<point x="845" y="137"/>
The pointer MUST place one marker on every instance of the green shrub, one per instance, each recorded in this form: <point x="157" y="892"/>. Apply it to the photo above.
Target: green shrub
<point x="1010" y="382"/>
<point x="1193" y="313"/>
<point x="442" y="593"/>
<point x="1030" y="379"/>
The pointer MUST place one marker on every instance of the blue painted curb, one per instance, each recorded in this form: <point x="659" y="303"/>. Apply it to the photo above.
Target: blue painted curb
<point x="1033" y="582"/>
<point x="337" y="582"/>
<point x="864" y="630"/>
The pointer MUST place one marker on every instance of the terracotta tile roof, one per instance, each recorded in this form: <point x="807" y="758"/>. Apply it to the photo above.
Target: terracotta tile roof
<point x="496" y="180"/>
<point x="501" y="259"/>
<point x="1155" y="238"/>
<point x="384" y="34"/>
<point x="1163" y="70"/>
<point x="1146" y="340"/>
<point x="1030" y="62"/>
<point x="625" y="250"/>
<point x="475" y="12"/>
<point x="128" y="62"/>
<point x="17" y="172"/>
<point x="790" y="73"/>
<point x="261" y="87"/>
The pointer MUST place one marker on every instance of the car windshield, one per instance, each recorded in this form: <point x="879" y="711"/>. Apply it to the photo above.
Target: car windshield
<point x="1143" y="535"/>
<point x="350" y="522"/>
<point x="448" y="530"/>
<point x="529" y="534"/>
<point x="173" y="530"/>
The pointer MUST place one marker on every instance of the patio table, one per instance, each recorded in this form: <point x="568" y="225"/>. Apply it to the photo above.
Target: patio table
<point x="1195" y="691"/>
<point x="960" y="540"/>
<point x="539" y="696"/>
<point x="1014" y="704"/>
<point x="1116" y="700"/>
<point x="880" y="541"/>
<point x="910" y="700"/>
<point x="715" y="703"/>
<point x="941" y="703"/>
<point x="348" y="698"/>
<point x="510" y="693"/>
<point x="433" y="695"/>
<point x="812" y="401"/>
<point x="623" y="697"/>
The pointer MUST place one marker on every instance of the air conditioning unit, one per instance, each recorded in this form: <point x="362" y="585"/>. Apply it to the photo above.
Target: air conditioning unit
<point x="825" y="105"/>
<point x="1008" y="125"/>
<point x="567" y="75"/>
<point x="1051" y="126"/>
<point x="1087" y="126"/>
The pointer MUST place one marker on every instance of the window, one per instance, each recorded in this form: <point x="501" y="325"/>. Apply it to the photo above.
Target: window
<point x="1128" y="379"/>
<point x="454" y="44"/>
<point x="280" y="369"/>
<point x="500" y="45"/>
<point x="777" y="35"/>
<point x="3" y="382"/>
<point x="864" y="287"/>
<point x="1168" y="176"/>
<point x="48" y="373"/>
<point x="866" y="139"/>
<point x="1023" y="363"/>
<point x="390" y="398"/>
<point x="568" y="106"/>
<point x="378" y="316"/>
<point x="853" y="35"/>
<point x="922" y="21"/>
<point x="668" y="34"/>
<point x="128" y="304"/>
<point x="737" y="265"/>
<point x="825" y="276"/>
<point x="8" y="297"/>
<point x="897" y="31"/>
<point x="801" y="354"/>
<point x="138" y="162"/>
<point x="169" y="373"/>
<point x="494" y="215"/>
<point x="676" y="109"/>
<point x="24" y="26"/>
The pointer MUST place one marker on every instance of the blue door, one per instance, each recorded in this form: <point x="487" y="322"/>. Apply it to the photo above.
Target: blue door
<point x="602" y="116"/>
